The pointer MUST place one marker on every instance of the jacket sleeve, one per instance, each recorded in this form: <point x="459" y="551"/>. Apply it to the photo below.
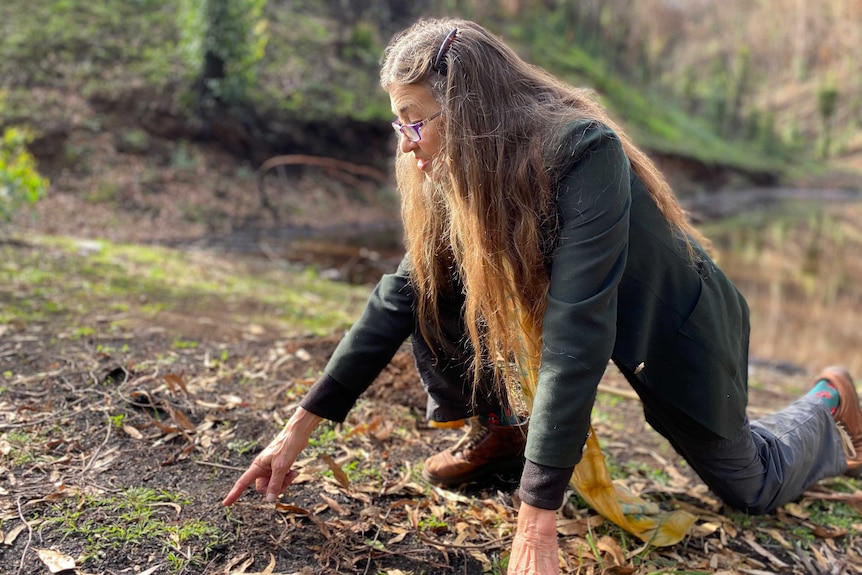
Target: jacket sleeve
<point x="366" y="348"/>
<point x="579" y="329"/>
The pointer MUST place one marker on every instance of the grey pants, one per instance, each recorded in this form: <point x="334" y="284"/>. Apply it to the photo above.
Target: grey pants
<point x="770" y="462"/>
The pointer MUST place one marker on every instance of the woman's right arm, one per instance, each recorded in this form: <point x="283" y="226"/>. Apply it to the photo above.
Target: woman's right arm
<point x="360" y="356"/>
<point x="271" y="471"/>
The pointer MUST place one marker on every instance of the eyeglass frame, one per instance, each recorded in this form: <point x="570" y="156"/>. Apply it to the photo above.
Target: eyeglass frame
<point x="400" y="127"/>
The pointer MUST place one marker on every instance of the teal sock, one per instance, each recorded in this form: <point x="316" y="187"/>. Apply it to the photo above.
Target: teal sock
<point x="827" y="393"/>
<point x="509" y="418"/>
<point x="506" y="418"/>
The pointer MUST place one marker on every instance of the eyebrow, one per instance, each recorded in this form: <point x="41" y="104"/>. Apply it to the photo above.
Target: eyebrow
<point x="407" y="107"/>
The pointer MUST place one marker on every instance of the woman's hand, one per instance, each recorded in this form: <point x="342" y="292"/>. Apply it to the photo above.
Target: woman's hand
<point x="534" y="549"/>
<point x="271" y="470"/>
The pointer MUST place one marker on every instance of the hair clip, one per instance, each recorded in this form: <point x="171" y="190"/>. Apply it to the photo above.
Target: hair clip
<point x="440" y="61"/>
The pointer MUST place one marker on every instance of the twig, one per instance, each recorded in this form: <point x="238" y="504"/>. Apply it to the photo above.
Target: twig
<point x="38" y="376"/>
<point x="29" y="535"/>
<point x="300" y="159"/>
<point x="219" y="465"/>
<point x="374" y="541"/>
<point x="624" y="393"/>
<point x="35" y="421"/>
<point x="331" y="163"/>
<point x="98" y="449"/>
<point x="834" y="496"/>
<point x="493" y="544"/>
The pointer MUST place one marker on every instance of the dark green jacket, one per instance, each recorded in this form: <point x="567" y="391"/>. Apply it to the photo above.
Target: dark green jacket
<point x="623" y="288"/>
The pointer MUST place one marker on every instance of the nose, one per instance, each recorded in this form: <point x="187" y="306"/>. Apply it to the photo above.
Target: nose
<point x="407" y="145"/>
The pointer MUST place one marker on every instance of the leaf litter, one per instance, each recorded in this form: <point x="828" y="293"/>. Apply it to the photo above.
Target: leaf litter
<point x="80" y="425"/>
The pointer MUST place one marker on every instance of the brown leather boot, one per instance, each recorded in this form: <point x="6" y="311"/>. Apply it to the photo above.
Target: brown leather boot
<point x="486" y="448"/>
<point x="848" y="417"/>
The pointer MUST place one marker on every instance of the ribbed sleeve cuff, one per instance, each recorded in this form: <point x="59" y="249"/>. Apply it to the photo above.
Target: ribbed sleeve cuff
<point x="543" y="486"/>
<point x="329" y="399"/>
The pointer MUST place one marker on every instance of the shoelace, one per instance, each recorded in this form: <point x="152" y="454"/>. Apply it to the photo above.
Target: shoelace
<point x="846" y="441"/>
<point x="476" y="432"/>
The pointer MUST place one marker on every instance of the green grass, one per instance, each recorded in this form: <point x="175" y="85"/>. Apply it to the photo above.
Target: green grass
<point x="59" y="282"/>
<point x="137" y="516"/>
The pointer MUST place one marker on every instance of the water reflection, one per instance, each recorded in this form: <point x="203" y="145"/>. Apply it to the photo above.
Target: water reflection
<point x="799" y="265"/>
<point x="800" y="268"/>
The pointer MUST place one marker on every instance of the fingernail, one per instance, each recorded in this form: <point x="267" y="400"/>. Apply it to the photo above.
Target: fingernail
<point x="270" y="498"/>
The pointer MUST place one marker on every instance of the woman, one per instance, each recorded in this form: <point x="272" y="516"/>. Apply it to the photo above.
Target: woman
<point x="541" y="244"/>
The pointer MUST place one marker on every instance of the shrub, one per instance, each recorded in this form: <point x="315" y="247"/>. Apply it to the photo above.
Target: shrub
<point x="20" y="182"/>
<point x="222" y="41"/>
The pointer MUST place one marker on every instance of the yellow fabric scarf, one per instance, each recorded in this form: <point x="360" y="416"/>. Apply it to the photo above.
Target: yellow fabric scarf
<point x="592" y="481"/>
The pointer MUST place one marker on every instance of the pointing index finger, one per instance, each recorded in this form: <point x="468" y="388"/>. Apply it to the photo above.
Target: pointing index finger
<point x="245" y="480"/>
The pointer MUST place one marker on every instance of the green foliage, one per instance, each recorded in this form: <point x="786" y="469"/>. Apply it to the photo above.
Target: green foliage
<point x="20" y="181"/>
<point x="242" y="446"/>
<point x="137" y="516"/>
<point x="431" y="523"/>
<point x="79" y="43"/>
<point x="654" y="122"/>
<point x="827" y="103"/>
<point x="230" y="32"/>
<point x="499" y="564"/>
<point x="827" y="100"/>
<point x="323" y="438"/>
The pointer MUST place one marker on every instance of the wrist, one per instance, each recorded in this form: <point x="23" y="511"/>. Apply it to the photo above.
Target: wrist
<point x="536" y="520"/>
<point x="302" y="422"/>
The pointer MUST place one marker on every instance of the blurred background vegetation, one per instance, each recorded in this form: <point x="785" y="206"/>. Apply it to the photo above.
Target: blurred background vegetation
<point x="148" y="119"/>
<point x="759" y="85"/>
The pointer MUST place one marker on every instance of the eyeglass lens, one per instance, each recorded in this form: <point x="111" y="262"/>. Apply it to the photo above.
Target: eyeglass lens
<point x="410" y="131"/>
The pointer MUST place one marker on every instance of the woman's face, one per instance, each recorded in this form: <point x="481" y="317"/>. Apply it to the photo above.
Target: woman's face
<point x="411" y="104"/>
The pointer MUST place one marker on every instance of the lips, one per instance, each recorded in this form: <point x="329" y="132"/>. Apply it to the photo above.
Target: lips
<point x="423" y="164"/>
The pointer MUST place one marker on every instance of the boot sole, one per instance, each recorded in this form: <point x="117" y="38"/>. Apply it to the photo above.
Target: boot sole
<point x="477" y="474"/>
<point x="840" y="379"/>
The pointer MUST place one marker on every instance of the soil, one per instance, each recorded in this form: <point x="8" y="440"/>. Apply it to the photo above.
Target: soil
<point x="84" y="420"/>
<point x="84" y="423"/>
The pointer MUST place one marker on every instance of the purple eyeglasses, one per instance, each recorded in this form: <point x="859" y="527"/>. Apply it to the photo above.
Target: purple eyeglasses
<point x="411" y="131"/>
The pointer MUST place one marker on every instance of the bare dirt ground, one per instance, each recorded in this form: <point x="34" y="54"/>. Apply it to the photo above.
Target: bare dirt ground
<point x="84" y="423"/>
<point x="115" y="451"/>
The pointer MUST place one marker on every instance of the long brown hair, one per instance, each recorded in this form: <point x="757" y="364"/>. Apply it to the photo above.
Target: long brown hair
<point x="488" y="221"/>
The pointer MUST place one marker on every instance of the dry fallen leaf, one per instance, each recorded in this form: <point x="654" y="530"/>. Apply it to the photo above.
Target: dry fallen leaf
<point x="828" y="532"/>
<point x="132" y="432"/>
<point x="55" y="561"/>
<point x="705" y="529"/>
<point x="10" y="537"/>
<point x="796" y="510"/>
<point x="175" y="381"/>
<point x="775" y="561"/>
<point x="608" y="545"/>
<point x="334" y="505"/>
<point x="339" y="473"/>
<point x="580" y="526"/>
<point x="244" y="562"/>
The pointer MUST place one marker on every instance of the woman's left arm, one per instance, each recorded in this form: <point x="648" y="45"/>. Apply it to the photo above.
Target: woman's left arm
<point x="578" y="336"/>
<point x="579" y="325"/>
<point x="534" y="548"/>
